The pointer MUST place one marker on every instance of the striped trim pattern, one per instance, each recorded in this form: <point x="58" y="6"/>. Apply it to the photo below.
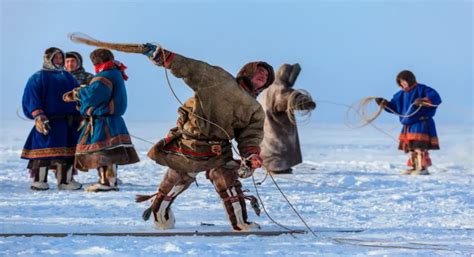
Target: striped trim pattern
<point x="48" y="152"/>
<point x="37" y="112"/>
<point x="101" y="145"/>
<point x="104" y="80"/>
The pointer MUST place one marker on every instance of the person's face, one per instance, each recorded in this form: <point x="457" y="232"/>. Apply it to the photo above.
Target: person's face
<point x="260" y="77"/>
<point x="71" y="64"/>
<point x="58" y="59"/>
<point x="404" y="84"/>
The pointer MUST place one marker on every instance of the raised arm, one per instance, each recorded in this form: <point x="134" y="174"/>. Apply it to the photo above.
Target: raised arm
<point x="196" y="74"/>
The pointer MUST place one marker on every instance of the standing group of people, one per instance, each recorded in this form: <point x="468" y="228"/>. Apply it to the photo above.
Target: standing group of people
<point x="79" y="126"/>
<point x="78" y="123"/>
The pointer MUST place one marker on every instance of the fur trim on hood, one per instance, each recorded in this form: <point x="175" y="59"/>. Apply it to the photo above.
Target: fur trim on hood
<point x="76" y="56"/>
<point x="48" y="59"/>
<point x="246" y="73"/>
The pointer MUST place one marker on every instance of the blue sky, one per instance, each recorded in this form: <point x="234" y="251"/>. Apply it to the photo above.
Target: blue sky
<point x="348" y="50"/>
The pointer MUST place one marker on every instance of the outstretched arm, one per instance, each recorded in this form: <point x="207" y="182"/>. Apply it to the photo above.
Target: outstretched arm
<point x="196" y="74"/>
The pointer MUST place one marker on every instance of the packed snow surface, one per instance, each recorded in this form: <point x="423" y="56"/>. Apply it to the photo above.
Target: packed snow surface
<point x="349" y="180"/>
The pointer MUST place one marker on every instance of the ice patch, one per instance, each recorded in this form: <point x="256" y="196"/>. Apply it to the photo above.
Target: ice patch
<point x="171" y="248"/>
<point x="94" y="251"/>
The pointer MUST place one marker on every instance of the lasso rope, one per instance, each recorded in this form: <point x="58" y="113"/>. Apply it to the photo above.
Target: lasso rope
<point x="135" y="48"/>
<point x="253" y="177"/>
<point x="21" y="116"/>
<point x="360" y="108"/>
<point x="296" y="102"/>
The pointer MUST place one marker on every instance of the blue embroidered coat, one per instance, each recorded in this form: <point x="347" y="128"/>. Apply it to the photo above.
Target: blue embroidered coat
<point x="418" y="128"/>
<point x="103" y="103"/>
<point x="43" y="95"/>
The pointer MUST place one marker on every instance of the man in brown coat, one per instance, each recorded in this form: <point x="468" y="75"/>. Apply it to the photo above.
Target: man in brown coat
<point x="223" y="108"/>
<point x="281" y="146"/>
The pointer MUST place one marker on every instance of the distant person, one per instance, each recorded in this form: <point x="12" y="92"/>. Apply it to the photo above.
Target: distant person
<point x="52" y="142"/>
<point x="280" y="145"/>
<point x="104" y="142"/>
<point x="419" y="131"/>
<point x="74" y="66"/>
<point x="223" y="108"/>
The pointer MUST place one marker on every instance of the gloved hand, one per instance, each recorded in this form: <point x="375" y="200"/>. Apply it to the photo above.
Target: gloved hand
<point x="249" y="164"/>
<point x="253" y="161"/>
<point x="152" y="48"/>
<point x="42" y="124"/>
<point x="72" y="96"/>
<point x="420" y="102"/>
<point x="381" y="101"/>
<point x="75" y="93"/>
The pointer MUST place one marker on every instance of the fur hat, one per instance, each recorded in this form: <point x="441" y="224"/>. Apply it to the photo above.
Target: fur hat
<point x="408" y="76"/>
<point x="101" y="55"/>
<point x="287" y="74"/>
<point x="48" y="58"/>
<point x="246" y="73"/>
<point x="76" y="56"/>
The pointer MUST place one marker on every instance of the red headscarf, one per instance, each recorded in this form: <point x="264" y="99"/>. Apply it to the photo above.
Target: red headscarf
<point x="111" y="65"/>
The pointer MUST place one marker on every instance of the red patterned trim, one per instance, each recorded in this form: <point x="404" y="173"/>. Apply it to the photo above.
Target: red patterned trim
<point x="406" y="137"/>
<point x="164" y="57"/>
<point x="188" y="152"/>
<point x="48" y="152"/>
<point x="117" y="140"/>
<point x="168" y="60"/>
<point x="37" y="112"/>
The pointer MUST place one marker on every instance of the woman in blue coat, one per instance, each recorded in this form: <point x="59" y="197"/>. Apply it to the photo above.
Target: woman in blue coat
<point x="51" y="143"/>
<point x="104" y="142"/>
<point x="416" y="105"/>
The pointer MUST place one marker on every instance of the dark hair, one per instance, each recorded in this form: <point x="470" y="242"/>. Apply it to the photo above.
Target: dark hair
<point x="408" y="76"/>
<point x="101" y="55"/>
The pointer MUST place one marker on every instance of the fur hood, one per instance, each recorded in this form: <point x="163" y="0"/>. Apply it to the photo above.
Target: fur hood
<point x="287" y="74"/>
<point x="78" y="58"/>
<point x="48" y="59"/>
<point x="246" y="73"/>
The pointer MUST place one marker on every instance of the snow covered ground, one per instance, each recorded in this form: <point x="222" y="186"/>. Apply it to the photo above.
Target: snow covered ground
<point x="349" y="180"/>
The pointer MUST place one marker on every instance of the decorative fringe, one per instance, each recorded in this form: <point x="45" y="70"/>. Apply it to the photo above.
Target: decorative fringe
<point x="146" y="214"/>
<point x="78" y="37"/>
<point x="142" y="198"/>
<point x="254" y="203"/>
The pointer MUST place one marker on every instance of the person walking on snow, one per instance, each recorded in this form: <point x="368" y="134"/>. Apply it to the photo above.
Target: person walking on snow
<point x="223" y="108"/>
<point x="418" y="134"/>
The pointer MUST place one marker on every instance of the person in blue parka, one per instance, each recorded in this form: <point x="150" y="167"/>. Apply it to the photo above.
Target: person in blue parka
<point x="104" y="142"/>
<point x="416" y="106"/>
<point x="51" y="143"/>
